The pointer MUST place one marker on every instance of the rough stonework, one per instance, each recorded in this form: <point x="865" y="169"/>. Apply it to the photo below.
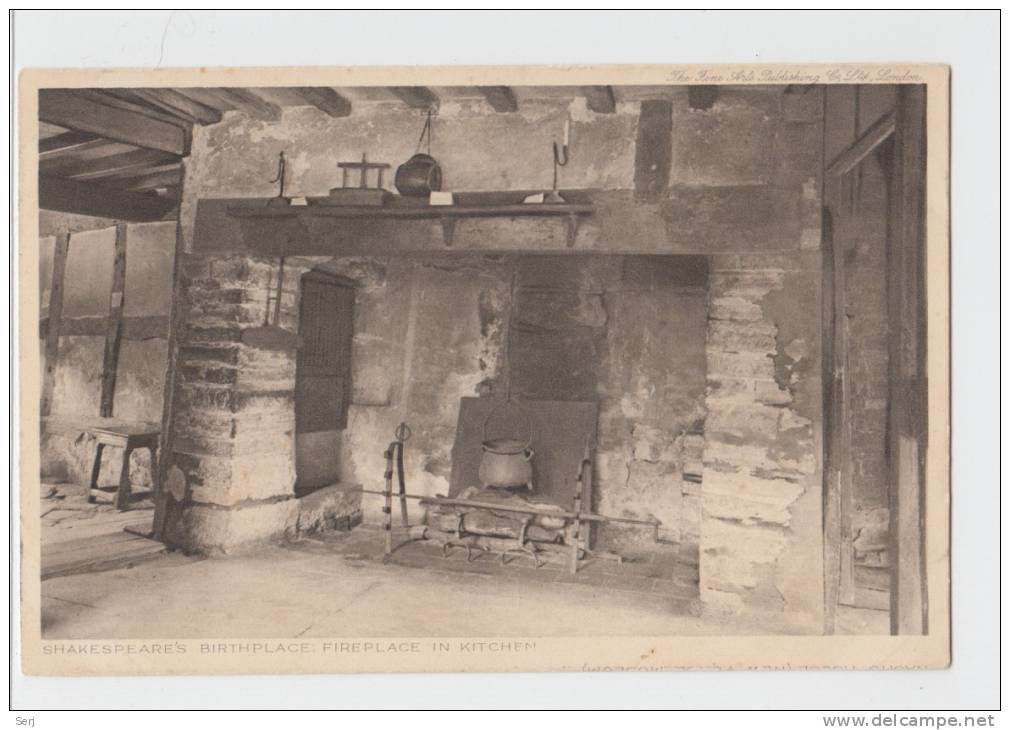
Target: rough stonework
<point x="234" y="421"/>
<point x="760" y="455"/>
<point x="337" y="507"/>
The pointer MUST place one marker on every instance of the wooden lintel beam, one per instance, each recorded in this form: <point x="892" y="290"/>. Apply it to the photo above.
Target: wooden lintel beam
<point x="82" y="113"/>
<point x="105" y="166"/>
<point x="416" y="97"/>
<point x="325" y="99"/>
<point x="249" y="103"/>
<point x="501" y="98"/>
<point x="101" y="200"/>
<point x="600" y="99"/>
<point x="179" y="105"/>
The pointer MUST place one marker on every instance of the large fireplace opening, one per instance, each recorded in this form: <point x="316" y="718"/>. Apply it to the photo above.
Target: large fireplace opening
<point x="569" y="352"/>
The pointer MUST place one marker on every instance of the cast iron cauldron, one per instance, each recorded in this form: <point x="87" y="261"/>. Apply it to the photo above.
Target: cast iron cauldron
<point x="419" y="176"/>
<point x="505" y="462"/>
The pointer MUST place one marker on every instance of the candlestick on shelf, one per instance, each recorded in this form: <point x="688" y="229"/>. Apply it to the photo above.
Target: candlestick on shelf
<point x="560" y="160"/>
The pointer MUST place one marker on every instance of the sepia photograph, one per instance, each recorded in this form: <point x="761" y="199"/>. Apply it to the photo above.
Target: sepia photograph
<point x="459" y="369"/>
<point x="568" y="360"/>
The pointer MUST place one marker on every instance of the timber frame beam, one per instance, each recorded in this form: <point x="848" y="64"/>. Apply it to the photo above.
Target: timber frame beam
<point x="325" y="99"/>
<point x="416" y="97"/>
<point x="102" y="200"/>
<point x="81" y="113"/>
<point x="600" y="99"/>
<point x="501" y="98"/>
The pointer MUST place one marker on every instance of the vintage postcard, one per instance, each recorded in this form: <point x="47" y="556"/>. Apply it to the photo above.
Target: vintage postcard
<point x="626" y="368"/>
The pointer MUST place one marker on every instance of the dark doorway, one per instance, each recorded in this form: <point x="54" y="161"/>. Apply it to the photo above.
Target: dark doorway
<point x="322" y="378"/>
<point x="875" y="333"/>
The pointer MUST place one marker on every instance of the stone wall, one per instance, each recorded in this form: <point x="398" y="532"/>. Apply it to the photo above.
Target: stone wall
<point x="428" y="332"/>
<point x="629" y="333"/>
<point x="761" y="488"/>
<point x="233" y="470"/>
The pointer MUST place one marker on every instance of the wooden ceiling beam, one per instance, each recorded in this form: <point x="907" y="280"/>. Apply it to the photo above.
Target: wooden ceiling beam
<point x="68" y="142"/>
<point x="125" y="100"/>
<point x="179" y="105"/>
<point x="501" y="98"/>
<point x="416" y="97"/>
<point x="101" y="200"/>
<point x="82" y="112"/>
<point x="204" y="96"/>
<point x="702" y="98"/>
<point x="105" y="166"/>
<point x="249" y="103"/>
<point x="325" y="99"/>
<point x="600" y="99"/>
<point x="168" y="178"/>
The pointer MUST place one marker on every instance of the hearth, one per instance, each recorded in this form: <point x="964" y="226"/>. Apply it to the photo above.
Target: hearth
<point x="506" y="520"/>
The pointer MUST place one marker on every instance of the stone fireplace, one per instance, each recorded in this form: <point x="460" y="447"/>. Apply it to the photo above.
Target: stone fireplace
<point x="702" y="372"/>
<point x="690" y="313"/>
<point x="627" y="332"/>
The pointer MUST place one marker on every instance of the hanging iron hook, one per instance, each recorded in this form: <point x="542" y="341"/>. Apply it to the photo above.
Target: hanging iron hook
<point x="560" y="155"/>
<point x="281" y="165"/>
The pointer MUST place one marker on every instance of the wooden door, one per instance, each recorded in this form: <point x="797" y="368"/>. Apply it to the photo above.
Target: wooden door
<point x="895" y="143"/>
<point x="323" y="375"/>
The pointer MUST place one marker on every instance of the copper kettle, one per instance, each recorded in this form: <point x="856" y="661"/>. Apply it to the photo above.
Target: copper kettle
<point x="505" y="462"/>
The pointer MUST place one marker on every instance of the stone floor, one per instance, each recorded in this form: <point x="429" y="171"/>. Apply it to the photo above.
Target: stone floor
<point x="667" y="576"/>
<point x="339" y="585"/>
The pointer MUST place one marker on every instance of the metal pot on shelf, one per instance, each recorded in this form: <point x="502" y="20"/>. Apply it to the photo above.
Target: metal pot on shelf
<point x="419" y="176"/>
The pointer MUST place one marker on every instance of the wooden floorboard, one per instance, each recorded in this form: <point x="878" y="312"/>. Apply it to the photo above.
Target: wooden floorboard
<point x="97" y="542"/>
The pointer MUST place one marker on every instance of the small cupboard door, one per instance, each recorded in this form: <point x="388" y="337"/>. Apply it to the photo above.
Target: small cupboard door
<point x="323" y="375"/>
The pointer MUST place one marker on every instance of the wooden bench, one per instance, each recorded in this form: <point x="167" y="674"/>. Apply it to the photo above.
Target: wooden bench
<point x="127" y="435"/>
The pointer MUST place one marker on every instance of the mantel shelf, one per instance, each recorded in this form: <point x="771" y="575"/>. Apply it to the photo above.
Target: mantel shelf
<point x="434" y="211"/>
<point x="447" y="215"/>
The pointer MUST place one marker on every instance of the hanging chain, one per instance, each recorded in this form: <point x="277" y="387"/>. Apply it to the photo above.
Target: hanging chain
<point x="426" y="130"/>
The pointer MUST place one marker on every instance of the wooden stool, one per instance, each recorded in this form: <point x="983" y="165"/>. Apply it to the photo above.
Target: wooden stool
<point x="128" y="436"/>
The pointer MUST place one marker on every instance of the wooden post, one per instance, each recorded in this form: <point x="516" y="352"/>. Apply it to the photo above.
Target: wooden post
<point x="168" y="405"/>
<point x="832" y="409"/>
<point x="907" y="360"/>
<point x="653" y="149"/>
<point x="115" y="323"/>
<point x="52" y="351"/>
